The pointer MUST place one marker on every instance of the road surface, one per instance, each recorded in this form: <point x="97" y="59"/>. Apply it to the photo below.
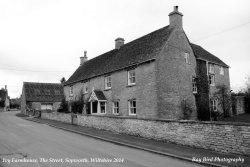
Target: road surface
<point x="29" y="144"/>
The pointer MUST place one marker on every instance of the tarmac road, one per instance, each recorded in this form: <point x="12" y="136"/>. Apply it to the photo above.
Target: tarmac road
<point x="22" y="141"/>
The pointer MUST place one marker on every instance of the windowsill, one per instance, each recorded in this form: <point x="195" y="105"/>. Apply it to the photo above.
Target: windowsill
<point x="131" y="85"/>
<point x="116" y="114"/>
<point x="194" y="92"/>
<point x="98" y="113"/>
<point x="212" y="85"/>
<point x="107" y="89"/>
<point x="132" y="115"/>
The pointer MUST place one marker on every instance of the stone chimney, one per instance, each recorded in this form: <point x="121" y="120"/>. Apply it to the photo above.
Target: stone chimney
<point x="84" y="58"/>
<point x="119" y="42"/>
<point x="175" y="18"/>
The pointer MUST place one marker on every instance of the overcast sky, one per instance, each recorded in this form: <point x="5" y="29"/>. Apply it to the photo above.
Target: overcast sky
<point x="42" y="40"/>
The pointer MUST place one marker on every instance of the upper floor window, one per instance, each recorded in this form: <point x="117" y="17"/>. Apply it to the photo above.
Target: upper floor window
<point x="131" y="77"/>
<point x="132" y="107"/>
<point x="71" y="91"/>
<point x="85" y="87"/>
<point x="221" y="70"/>
<point x="187" y="58"/>
<point x="214" y="105"/>
<point x="211" y="68"/>
<point x="116" y="107"/>
<point x="211" y="80"/>
<point x="107" y="81"/>
<point x="194" y="85"/>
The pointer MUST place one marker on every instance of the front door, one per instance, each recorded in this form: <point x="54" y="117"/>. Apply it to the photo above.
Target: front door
<point x="94" y="106"/>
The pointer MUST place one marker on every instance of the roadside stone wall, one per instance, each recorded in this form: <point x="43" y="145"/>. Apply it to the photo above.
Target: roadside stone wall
<point x="219" y="136"/>
<point x="56" y="116"/>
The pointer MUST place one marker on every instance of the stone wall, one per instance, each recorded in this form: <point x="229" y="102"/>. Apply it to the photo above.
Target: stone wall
<point x="56" y="116"/>
<point x="218" y="136"/>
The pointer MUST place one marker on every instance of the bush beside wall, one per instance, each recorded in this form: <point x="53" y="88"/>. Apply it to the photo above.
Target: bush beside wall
<point x="221" y="137"/>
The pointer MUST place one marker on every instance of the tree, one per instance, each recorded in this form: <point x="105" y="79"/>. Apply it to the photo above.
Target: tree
<point x="62" y="80"/>
<point x="247" y="95"/>
<point x="224" y="99"/>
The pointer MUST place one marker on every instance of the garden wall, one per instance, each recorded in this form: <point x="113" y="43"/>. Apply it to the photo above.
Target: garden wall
<point x="56" y="116"/>
<point x="218" y="136"/>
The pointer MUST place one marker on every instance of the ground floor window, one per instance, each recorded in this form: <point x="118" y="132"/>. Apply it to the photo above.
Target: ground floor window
<point x="102" y="107"/>
<point x="132" y="107"/>
<point x="98" y="107"/>
<point x="116" y="107"/>
<point x="47" y="106"/>
<point x="214" y="105"/>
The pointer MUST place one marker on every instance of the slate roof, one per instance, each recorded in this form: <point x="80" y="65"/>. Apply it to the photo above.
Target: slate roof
<point x="201" y="53"/>
<point x="135" y="52"/>
<point x="3" y="94"/>
<point x="43" y="92"/>
<point x="99" y="94"/>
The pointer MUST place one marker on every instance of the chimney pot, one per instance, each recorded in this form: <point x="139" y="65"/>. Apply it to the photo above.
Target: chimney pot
<point x="119" y="42"/>
<point x="83" y="59"/>
<point x="176" y="8"/>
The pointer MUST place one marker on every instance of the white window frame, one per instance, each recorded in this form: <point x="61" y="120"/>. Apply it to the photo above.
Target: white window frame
<point x="187" y="58"/>
<point x="98" y="107"/>
<point x="71" y="90"/>
<point x="48" y="106"/>
<point x="85" y="87"/>
<point x="130" y="106"/>
<point x="131" y="77"/>
<point x="222" y="71"/>
<point x="194" y="84"/>
<point x="211" y="68"/>
<point x="115" y="107"/>
<point x="211" y="78"/>
<point x="214" y="105"/>
<point x="107" y="82"/>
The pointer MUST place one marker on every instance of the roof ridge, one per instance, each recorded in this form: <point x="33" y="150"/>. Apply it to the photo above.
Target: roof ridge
<point x="131" y="41"/>
<point x="40" y="83"/>
<point x="137" y="51"/>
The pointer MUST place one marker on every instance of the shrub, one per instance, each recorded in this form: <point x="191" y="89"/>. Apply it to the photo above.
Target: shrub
<point x="63" y="107"/>
<point x="187" y="109"/>
<point x="77" y="107"/>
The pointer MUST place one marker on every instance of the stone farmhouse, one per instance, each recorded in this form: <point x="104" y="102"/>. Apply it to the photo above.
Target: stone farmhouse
<point x="4" y="99"/>
<point x="151" y="77"/>
<point x="41" y="96"/>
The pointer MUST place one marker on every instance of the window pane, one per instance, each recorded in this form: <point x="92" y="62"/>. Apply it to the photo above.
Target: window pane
<point x="131" y="77"/>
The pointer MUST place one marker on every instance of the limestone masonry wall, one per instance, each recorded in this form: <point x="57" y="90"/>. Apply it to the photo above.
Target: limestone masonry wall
<point x="218" y="136"/>
<point x="57" y="116"/>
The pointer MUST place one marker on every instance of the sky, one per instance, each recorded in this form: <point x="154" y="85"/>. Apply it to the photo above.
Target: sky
<point x="43" y="40"/>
